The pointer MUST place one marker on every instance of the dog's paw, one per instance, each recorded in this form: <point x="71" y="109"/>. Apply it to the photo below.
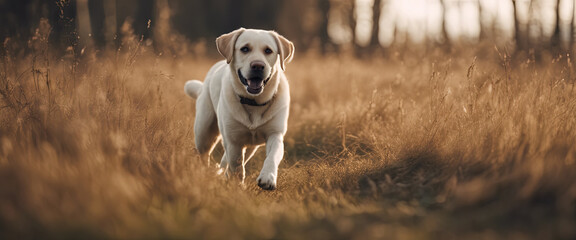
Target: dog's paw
<point x="267" y="181"/>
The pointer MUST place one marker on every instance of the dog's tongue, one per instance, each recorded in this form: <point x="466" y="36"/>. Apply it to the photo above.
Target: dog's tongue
<point x="254" y="84"/>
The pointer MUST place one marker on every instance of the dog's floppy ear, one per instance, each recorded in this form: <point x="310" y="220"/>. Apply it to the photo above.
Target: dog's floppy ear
<point x="285" y="48"/>
<point x="225" y="43"/>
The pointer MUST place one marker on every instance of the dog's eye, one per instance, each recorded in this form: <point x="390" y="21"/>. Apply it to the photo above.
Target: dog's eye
<point x="244" y="49"/>
<point x="268" y="51"/>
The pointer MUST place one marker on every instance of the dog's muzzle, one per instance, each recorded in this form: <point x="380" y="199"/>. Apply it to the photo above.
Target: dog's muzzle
<point x="255" y="83"/>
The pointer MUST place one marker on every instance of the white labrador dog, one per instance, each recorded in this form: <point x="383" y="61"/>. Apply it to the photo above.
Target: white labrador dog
<point x="244" y="101"/>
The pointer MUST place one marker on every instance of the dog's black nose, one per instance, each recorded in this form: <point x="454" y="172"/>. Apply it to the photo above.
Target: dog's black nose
<point x="257" y="65"/>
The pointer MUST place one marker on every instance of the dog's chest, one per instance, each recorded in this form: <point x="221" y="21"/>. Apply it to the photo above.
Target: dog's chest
<point x="255" y="116"/>
<point x="250" y="127"/>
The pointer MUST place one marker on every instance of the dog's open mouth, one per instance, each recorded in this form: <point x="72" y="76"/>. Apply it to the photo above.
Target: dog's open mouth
<point x="253" y="85"/>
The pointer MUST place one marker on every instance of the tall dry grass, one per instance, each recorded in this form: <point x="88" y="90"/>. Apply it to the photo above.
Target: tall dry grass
<point x="101" y="146"/>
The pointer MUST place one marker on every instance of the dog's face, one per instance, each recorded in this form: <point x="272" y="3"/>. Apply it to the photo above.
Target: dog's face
<point x="255" y="55"/>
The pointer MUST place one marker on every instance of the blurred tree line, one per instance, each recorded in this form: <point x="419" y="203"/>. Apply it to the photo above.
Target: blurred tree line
<point x="102" y="23"/>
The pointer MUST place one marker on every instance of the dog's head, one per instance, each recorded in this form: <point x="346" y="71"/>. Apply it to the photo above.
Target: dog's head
<point x="255" y="55"/>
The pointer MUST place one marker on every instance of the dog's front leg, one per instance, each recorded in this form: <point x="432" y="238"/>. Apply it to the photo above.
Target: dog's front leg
<point x="274" y="154"/>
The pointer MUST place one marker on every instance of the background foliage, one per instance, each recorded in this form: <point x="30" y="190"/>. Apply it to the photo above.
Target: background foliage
<point x="473" y="144"/>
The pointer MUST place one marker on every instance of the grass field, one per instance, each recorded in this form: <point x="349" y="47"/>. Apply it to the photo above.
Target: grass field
<point x="421" y="147"/>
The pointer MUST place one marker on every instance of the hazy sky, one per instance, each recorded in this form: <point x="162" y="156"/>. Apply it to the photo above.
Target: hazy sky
<point x="418" y="20"/>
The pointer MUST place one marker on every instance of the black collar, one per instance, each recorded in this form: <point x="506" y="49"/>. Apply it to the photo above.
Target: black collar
<point x="252" y="102"/>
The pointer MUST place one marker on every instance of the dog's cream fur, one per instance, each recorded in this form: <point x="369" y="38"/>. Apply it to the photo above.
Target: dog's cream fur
<point x="242" y="127"/>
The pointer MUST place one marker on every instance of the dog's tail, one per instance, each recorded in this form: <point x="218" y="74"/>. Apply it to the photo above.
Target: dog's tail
<point x="193" y="88"/>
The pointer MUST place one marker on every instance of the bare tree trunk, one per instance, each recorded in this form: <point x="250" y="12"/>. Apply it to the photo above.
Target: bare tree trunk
<point x="352" y="22"/>
<point x="163" y="27"/>
<point x="324" y="7"/>
<point x="535" y="45"/>
<point x="235" y="15"/>
<point x="572" y="22"/>
<point x="374" y="36"/>
<point x="447" y="42"/>
<point x="555" y="41"/>
<point x="110" y="24"/>
<point x="144" y="18"/>
<point x="290" y="23"/>
<point x="518" y="35"/>
<point x="483" y="32"/>
<point x="83" y="24"/>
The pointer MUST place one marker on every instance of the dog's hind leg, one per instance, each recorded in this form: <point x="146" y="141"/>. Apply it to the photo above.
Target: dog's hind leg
<point x="231" y="168"/>
<point x="205" y="149"/>
<point x="232" y="160"/>
<point x="206" y="134"/>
